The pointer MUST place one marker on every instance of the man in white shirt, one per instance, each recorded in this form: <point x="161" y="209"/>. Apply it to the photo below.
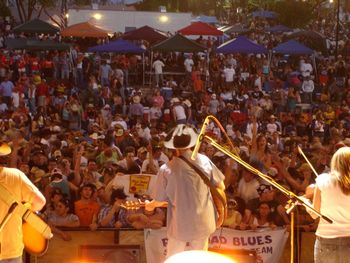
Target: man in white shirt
<point x="229" y="74"/>
<point x="158" y="70"/>
<point x="305" y="68"/>
<point x="308" y="87"/>
<point x="188" y="63"/>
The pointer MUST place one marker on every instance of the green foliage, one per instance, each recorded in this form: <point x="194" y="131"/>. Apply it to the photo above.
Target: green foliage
<point x="82" y="2"/>
<point x="294" y="13"/>
<point x="4" y="10"/>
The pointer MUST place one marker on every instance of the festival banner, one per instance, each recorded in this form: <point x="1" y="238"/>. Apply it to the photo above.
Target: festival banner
<point x="267" y="243"/>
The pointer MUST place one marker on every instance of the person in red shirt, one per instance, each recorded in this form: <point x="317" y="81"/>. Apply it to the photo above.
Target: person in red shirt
<point x="34" y="65"/>
<point x="4" y="65"/>
<point x="47" y="67"/>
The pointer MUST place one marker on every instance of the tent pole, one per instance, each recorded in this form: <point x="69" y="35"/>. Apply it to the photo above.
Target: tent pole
<point x="150" y="70"/>
<point x="314" y="64"/>
<point x="143" y="69"/>
<point x="270" y="58"/>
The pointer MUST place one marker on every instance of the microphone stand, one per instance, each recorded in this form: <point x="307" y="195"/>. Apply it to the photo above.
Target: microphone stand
<point x="294" y="199"/>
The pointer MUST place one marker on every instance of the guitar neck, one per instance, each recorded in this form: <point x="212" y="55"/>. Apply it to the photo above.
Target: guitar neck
<point x="134" y="205"/>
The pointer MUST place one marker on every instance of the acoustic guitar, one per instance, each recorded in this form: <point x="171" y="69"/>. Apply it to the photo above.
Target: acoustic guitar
<point x="34" y="242"/>
<point x="36" y="233"/>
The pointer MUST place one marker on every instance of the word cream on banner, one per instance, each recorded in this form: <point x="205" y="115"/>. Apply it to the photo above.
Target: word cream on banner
<point x="268" y="244"/>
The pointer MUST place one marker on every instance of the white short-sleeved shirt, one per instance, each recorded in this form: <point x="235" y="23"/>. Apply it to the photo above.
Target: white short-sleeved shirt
<point x="191" y="212"/>
<point x="23" y="190"/>
<point x="334" y="205"/>
<point x="229" y="74"/>
<point x="158" y="66"/>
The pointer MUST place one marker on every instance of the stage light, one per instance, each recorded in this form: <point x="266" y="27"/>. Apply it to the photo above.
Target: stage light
<point x="199" y="256"/>
<point x="97" y="16"/>
<point x="163" y="18"/>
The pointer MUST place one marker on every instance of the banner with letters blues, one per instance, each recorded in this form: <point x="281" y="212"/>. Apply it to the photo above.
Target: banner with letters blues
<point x="268" y="244"/>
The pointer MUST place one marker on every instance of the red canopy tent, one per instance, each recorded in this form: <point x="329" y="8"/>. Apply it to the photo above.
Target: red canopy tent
<point x="84" y="29"/>
<point x="200" y="28"/>
<point x="145" y="33"/>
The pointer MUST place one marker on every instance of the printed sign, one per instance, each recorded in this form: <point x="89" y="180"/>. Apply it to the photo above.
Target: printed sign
<point x="268" y="244"/>
<point x="135" y="183"/>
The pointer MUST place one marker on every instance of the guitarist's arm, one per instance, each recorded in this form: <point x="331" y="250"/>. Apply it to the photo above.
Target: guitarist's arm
<point x="38" y="201"/>
<point x="64" y="235"/>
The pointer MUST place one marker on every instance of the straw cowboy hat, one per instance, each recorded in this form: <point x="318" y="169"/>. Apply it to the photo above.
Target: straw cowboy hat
<point x="38" y="174"/>
<point x="181" y="137"/>
<point x="4" y="149"/>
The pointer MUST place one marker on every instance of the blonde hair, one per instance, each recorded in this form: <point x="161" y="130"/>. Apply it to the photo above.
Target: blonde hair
<point x="340" y="168"/>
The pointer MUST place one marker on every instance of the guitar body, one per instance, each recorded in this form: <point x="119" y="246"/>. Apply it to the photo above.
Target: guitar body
<point x="34" y="242"/>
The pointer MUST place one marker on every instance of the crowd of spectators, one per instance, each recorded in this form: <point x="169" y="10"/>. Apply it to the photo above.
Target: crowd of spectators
<point x="78" y="121"/>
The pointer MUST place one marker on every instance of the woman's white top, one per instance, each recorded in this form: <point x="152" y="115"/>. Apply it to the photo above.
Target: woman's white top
<point x="334" y="205"/>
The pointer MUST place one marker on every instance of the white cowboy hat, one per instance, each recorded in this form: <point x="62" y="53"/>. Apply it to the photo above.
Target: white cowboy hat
<point x="174" y="100"/>
<point x="4" y="149"/>
<point x="181" y="137"/>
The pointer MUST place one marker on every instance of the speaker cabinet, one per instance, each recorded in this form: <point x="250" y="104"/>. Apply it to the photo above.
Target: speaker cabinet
<point x="110" y="254"/>
<point x="238" y="255"/>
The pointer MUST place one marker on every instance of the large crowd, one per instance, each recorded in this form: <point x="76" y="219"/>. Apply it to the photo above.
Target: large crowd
<point x="77" y="121"/>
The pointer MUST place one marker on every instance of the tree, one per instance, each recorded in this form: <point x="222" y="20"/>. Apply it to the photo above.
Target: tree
<point x="4" y="10"/>
<point x="295" y="13"/>
<point x="29" y="9"/>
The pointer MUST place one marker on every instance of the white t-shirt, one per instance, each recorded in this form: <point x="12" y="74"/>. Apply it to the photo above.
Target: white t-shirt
<point x="179" y="112"/>
<point x="257" y="83"/>
<point x="308" y="86"/>
<point x="334" y="205"/>
<point x="188" y="64"/>
<point x="15" y="99"/>
<point x="272" y="127"/>
<point x="158" y="66"/>
<point x="229" y="74"/>
<point x="306" y="69"/>
<point x="3" y="107"/>
<point x="247" y="190"/>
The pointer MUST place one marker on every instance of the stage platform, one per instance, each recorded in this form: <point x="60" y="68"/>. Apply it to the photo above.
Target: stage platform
<point x="102" y="241"/>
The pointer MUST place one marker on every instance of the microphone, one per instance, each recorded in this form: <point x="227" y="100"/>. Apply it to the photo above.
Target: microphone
<point x="200" y="139"/>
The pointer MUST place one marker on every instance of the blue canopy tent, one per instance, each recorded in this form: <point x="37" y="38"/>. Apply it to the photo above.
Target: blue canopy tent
<point x="241" y="44"/>
<point x="292" y="47"/>
<point x="265" y="14"/>
<point x="118" y="46"/>
<point x="279" y="28"/>
<point x="123" y="47"/>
